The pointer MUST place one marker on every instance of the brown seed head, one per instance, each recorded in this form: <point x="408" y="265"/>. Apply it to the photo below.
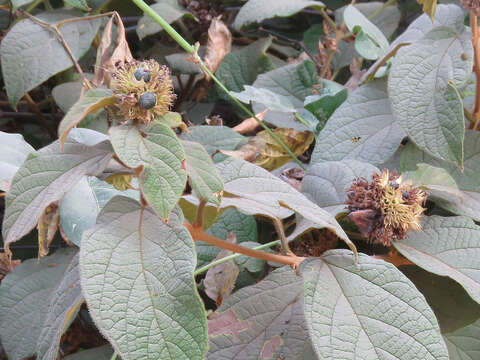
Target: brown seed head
<point x="472" y="5"/>
<point x="147" y="78"/>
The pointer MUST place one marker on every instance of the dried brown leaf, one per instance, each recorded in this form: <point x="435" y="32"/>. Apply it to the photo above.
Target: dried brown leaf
<point x="6" y="264"/>
<point x="264" y="151"/>
<point x="108" y="60"/>
<point x="250" y="124"/>
<point x="47" y="228"/>
<point x="218" y="46"/>
<point x="220" y="280"/>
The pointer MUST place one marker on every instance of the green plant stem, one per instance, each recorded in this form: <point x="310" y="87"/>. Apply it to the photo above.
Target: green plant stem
<point x="302" y="120"/>
<point x="380" y="10"/>
<point x="193" y="50"/>
<point x="166" y="26"/>
<point x="34" y="5"/>
<point x="327" y="18"/>
<point x="233" y="256"/>
<point x="114" y="356"/>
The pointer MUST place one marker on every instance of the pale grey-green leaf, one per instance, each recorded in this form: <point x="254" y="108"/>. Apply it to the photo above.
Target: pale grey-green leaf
<point x="368" y="310"/>
<point x="326" y="183"/>
<point x="468" y="204"/>
<point x="45" y="177"/>
<point x="13" y="152"/>
<point x="255" y="11"/>
<point x="202" y="174"/>
<point x="467" y="179"/>
<point x="80" y="206"/>
<point x="264" y="320"/>
<point x="464" y="343"/>
<point x="447" y="246"/>
<point x="422" y="91"/>
<point x="362" y="128"/>
<point x="79" y="4"/>
<point x="294" y="81"/>
<point x="63" y="305"/>
<point x="26" y="294"/>
<point x="271" y="100"/>
<point x="31" y="54"/>
<point x="140" y="289"/>
<point x="170" y="10"/>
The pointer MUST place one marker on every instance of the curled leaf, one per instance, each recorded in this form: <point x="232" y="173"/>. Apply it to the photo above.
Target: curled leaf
<point x="219" y="44"/>
<point x="264" y="151"/>
<point x="429" y="7"/>
<point x="47" y="228"/>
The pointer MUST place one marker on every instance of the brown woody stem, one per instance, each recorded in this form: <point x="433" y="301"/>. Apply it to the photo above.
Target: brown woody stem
<point x="476" y="68"/>
<point x="199" y="234"/>
<point x="198" y="224"/>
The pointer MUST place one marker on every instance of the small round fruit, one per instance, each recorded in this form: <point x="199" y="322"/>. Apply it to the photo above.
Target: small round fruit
<point x="147" y="100"/>
<point x="141" y="73"/>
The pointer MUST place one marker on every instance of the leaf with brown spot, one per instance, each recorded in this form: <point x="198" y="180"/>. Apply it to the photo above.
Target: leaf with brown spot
<point x="264" y="151"/>
<point x="106" y="63"/>
<point x="226" y="323"/>
<point x="220" y="280"/>
<point x="219" y="44"/>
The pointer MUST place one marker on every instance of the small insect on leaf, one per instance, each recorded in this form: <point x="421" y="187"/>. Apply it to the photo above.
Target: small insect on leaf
<point x="355" y="139"/>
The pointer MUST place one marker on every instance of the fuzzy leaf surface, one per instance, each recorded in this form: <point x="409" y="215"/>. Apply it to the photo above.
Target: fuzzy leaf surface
<point x="368" y="310"/>
<point x="447" y="246"/>
<point x="31" y="294"/>
<point x="45" y="177"/>
<point x="13" y="152"/>
<point x="160" y="153"/>
<point x="464" y="343"/>
<point x="422" y="89"/>
<point x="264" y="320"/>
<point x="31" y="54"/>
<point x="140" y="285"/>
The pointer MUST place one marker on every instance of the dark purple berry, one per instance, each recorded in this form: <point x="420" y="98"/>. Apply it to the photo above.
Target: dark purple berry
<point x="405" y="195"/>
<point x="147" y="100"/>
<point x="141" y="73"/>
<point x="394" y="184"/>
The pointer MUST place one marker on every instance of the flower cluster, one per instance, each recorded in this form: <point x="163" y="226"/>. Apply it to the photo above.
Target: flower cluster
<point x="386" y="208"/>
<point x="144" y="90"/>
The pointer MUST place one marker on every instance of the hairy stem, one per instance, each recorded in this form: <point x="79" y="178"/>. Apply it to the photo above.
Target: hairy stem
<point x="199" y="234"/>
<point x="233" y="256"/>
<point x="281" y="234"/>
<point x="200" y="214"/>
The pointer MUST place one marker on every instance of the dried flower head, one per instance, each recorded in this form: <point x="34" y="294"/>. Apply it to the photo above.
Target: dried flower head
<point x="386" y="208"/>
<point x="144" y="90"/>
<point x="472" y="5"/>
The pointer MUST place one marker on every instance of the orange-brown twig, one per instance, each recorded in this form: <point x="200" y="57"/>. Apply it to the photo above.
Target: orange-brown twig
<point x="476" y="68"/>
<point x="199" y="234"/>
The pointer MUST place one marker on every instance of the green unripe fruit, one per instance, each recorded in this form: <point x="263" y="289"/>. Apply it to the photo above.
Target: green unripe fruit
<point x="141" y="73"/>
<point x="147" y="100"/>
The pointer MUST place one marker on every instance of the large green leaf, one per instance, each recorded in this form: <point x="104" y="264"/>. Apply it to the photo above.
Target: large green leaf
<point x="170" y="10"/>
<point x="64" y="303"/>
<point x="79" y="4"/>
<point x="45" y="177"/>
<point x="80" y="206"/>
<point x="294" y="81"/>
<point x="203" y="177"/>
<point x="160" y="153"/>
<point x="242" y="67"/>
<point x="255" y="11"/>
<point x="31" y="54"/>
<point x="422" y="90"/>
<point x="326" y="183"/>
<point x="31" y="296"/>
<point x="248" y="327"/>
<point x="13" y="152"/>
<point x="254" y="190"/>
<point x="137" y="278"/>
<point x="464" y="343"/>
<point x="452" y="306"/>
<point x="93" y="101"/>
<point x="467" y="179"/>
<point x="368" y="310"/>
<point x="362" y="128"/>
<point x="447" y="246"/>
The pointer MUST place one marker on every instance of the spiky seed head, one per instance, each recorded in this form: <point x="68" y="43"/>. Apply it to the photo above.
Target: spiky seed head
<point x="394" y="207"/>
<point x="472" y="5"/>
<point x="144" y="90"/>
